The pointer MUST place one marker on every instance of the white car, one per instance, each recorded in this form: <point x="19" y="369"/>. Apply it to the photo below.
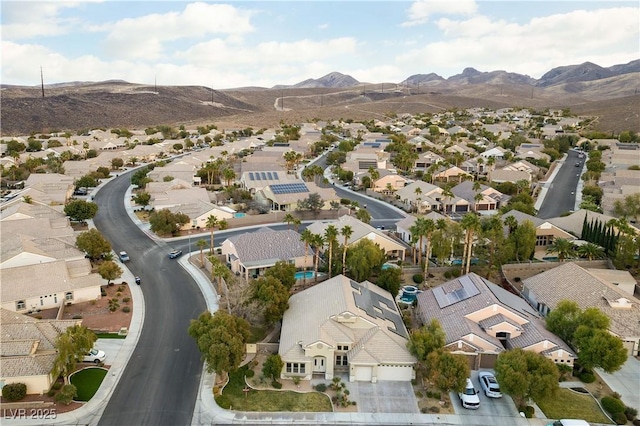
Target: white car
<point x="469" y="397"/>
<point x="489" y="384"/>
<point x="95" y="356"/>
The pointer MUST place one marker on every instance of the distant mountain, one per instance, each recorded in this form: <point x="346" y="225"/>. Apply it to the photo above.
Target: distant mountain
<point x="587" y="71"/>
<point x="331" y="81"/>
<point x="633" y="66"/>
<point x="473" y="76"/>
<point x="419" y="79"/>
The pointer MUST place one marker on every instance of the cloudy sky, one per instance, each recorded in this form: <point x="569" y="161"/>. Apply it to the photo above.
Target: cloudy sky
<point x="257" y="43"/>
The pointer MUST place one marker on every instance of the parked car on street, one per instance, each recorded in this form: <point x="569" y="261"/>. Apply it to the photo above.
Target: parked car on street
<point x="94" y="355"/>
<point x="124" y="257"/>
<point x="489" y="384"/>
<point x="138" y="280"/>
<point x="175" y="253"/>
<point x="469" y="396"/>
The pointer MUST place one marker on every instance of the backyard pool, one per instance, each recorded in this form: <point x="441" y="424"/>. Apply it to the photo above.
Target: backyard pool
<point x="305" y="274"/>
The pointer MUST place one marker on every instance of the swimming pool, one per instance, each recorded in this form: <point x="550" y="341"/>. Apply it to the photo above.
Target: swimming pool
<point x="389" y="265"/>
<point x="300" y="275"/>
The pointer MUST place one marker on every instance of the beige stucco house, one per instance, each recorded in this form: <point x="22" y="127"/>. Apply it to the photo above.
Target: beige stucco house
<point x="481" y="319"/>
<point x="343" y="327"/>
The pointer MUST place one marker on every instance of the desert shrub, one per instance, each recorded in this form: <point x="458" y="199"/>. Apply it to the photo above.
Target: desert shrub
<point x="296" y="380"/>
<point x="418" y="278"/>
<point x="434" y="409"/>
<point x="418" y="394"/>
<point x="120" y="289"/>
<point x="616" y="395"/>
<point x="57" y="385"/>
<point x="118" y="294"/>
<point x="613" y="405"/>
<point x="103" y="292"/>
<point x="587" y="377"/>
<point x="414" y="382"/>
<point x="424" y="410"/>
<point x="77" y="317"/>
<point x="93" y="302"/>
<point x="51" y="392"/>
<point x="66" y="394"/>
<point x="37" y="316"/>
<point x="620" y="418"/>
<point x="631" y="413"/>
<point x="517" y="279"/>
<point x="437" y="395"/>
<point x="276" y="385"/>
<point x="126" y="299"/>
<point x="455" y="273"/>
<point x="250" y="373"/>
<point x="126" y="309"/>
<point x="14" y="391"/>
<point x="447" y="274"/>
<point x="321" y="387"/>
<point x="528" y="411"/>
<point x="636" y="422"/>
<point x="223" y="401"/>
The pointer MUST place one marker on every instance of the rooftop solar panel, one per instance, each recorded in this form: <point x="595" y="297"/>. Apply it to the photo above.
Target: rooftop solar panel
<point x="263" y="175"/>
<point x="251" y="177"/>
<point x="288" y="188"/>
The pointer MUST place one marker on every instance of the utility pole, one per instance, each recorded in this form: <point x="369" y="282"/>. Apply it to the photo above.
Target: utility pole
<point x="155" y="85"/>
<point x="282" y="100"/>
<point x="42" y="81"/>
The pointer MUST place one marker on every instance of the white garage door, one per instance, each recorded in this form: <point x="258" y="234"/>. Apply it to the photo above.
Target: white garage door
<point x="392" y="372"/>
<point x="363" y="374"/>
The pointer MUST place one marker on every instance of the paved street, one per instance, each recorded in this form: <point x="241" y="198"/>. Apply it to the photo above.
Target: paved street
<point x="561" y="192"/>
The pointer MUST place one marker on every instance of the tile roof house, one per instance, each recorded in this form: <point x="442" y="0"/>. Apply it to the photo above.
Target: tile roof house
<point x="391" y="246"/>
<point x="284" y="196"/>
<point x="251" y="253"/>
<point x="480" y="319"/>
<point x="452" y="173"/>
<point x="50" y="188"/>
<point x="488" y="202"/>
<point x="546" y="231"/>
<point x="587" y="288"/>
<point x="421" y="196"/>
<point x="175" y="193"/>
<point x="183" y="170"/>
<point x="27" y="350"/>
<point x="341" y="326"/>
<point x="258" y="180"/>
<point x="389" y="182"/>
<point x="506" y="175"/>
<point x="403" y="226"/>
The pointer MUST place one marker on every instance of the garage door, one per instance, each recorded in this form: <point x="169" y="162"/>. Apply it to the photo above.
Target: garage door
<point x="488" y="360"/>
<point x="471" y="360"/>
<point x="395" y="372"/>
<point x="363" y="374"/>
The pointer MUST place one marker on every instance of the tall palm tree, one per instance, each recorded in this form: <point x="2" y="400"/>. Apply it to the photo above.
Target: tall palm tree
<point x="374" y="174"/>
<point x="448" y="194"/>
<point x="346" y="232"/>
<point x="306" y="237"/>
<point x="470" y="223"/>
<point x="418" y="228"/>
<point x="211" y="223"/>
<point x="428" y="228"/>
<point x="591" y="251"/>
<point x="330" y="234"/>
<point x="562" y="247"/>
<point x="201" y="244"/>
<point x="318" y="242"/>
<point x="289" y="219"/>
<point x="511" y="222"/>
<point x="220" y="273"/>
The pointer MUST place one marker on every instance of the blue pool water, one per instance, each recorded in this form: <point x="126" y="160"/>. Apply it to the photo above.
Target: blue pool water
<point x="388" y="265"/>
<point x="300" y="275"/>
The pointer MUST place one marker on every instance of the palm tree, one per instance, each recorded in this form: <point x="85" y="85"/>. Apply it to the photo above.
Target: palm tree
<point x="428" y="228"/>
<point x="289" y="219"/>
<point x="375" y="175"/>
<point x="511" y="222"/>
<point x="417" y="229"/>
<point x="220" y="271"/>
<point x="346" y="232"/>
<point x="448" y="194"/>
<point x="470" y="223"/>
<point x="330" y="234"/>
<point x="318" y="242"/>
<point x="418" y="193"/>
<point x="201" y="244"/>
<point x="306" y="237"/>
<point x="211" y="223"/>
<point x="563" y="248"/>
<point x="591" y="251"/>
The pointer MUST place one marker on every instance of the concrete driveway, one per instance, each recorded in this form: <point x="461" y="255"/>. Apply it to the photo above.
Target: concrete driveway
<point x="383" y="397"/>
<point x="626" y="382"/>
<point x="111" y="347"/>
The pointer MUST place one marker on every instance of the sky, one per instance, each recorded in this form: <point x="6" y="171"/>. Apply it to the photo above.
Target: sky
<point x="232" y="44"/>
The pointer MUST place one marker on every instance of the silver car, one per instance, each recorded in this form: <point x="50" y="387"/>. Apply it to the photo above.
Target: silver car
<point x="489" y="384"/>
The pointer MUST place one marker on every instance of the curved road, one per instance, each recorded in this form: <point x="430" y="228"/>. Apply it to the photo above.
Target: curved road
<point x="561" y="195"/>
<point x="160" y="383"/>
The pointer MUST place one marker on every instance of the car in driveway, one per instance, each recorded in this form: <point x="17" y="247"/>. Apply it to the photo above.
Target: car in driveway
<point x="469" y="396"/>
<point x="489" y="384"/>
<point x="95" y="356"/>
<point x="173" y="254"/>
<point x="123" y="256"/>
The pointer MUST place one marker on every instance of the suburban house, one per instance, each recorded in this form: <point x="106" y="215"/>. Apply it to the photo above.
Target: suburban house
<point x="590" y="288"/>
<point x="485" y="200"/>
<point x="285" y="196"/>
<point x="28" y="350"/>
<point x="251" y="253"/>
<point x="341" y="327"/>
<point x="403" y="226"/>
<point x="389" y="182"/>
<point x="199" y="212"/>
<point x="506" y="175"/>
<point x="174" y="193"/>
<point x="455" y="173"/>
<point x="50" y="188"/>
<point x="392" y="247"/>
<point x="420" y="195"/>
<point x="258" y="180"/>
<point x="426" y="160"/>
<point x="546" y="232"/>
<point x="181" y="169"/>
<point x="495" y="152"/>
<point x="481" y="319"/>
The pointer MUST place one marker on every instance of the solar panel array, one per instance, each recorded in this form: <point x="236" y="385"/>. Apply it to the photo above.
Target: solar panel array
<point x="263" y="176"/>
<point x="377" y="306"/>
<point x="288" y="188"/>
<point x="468" y="290"/>
<point x="372" y="144"/>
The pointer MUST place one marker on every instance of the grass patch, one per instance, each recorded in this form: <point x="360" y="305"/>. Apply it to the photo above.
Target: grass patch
<point x="110" y="336"/>
<point x="566" y="404"/>
<point x="259" y="400"/>
<point x="88" y="381"/>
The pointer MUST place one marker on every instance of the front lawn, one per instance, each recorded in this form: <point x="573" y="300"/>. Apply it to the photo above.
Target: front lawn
<point x="87" y="382"/>
<point x="235" y="398"/>
<point x="566" y="404"/>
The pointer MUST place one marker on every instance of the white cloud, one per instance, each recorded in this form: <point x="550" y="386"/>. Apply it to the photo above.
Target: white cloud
<point x="323" y="26"/>
<point x="421" y="10"/>
<point x="535" y="47"/>
<point x="30" y="19"/>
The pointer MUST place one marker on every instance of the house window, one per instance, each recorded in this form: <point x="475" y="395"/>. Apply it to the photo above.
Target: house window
<point x="68" y="296"/>
<point x="341" y="360"/>
<point x="20" y="304"/>
<point x="294" y="367"/>
<point x="343" y="347"/>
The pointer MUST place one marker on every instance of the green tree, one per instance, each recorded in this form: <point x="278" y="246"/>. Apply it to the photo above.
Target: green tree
<point x="80" y="210"/>
<point x="93" y="243"/>
<point x="318" y="242"/>
<point x="66" y="394"/>
<point x="447" y="371"/>
<point x="164" y="222"/>
<point x="331" y="235"/>
<point x="628" y="207"/>
<point x="273" y="296"/>
<point x="364" y="259"/>
<point x="426" y="339"/>
<point x="526" y="374"/>
<point x="284" y="272"/>
<point x="212" y="222"/>
<point x="86" y="181"/>
<point x="562" y="247"/>
<point x="139" y="177"/>
<point x="524" y="240"/>
<point x="313" y="203"/>
<point x="71" y="346"/>
<point x="590" y="251"/>
<point x="109" y="270"/>
<point x="142" y="198"/>
<point x="221" y="338"/>
<point x="201" y="244"/>
<point x="117" y="163"/>
<point x="599" y="348"/>
<point x="564" y="319"/>
<point x="363" y="216"/>
<point x="390" y="280"/>
<point x="307" y="238"/>
<point x="272" y="367"/>
<point x="346" y="232"/>
<point x="471" y="224"/>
